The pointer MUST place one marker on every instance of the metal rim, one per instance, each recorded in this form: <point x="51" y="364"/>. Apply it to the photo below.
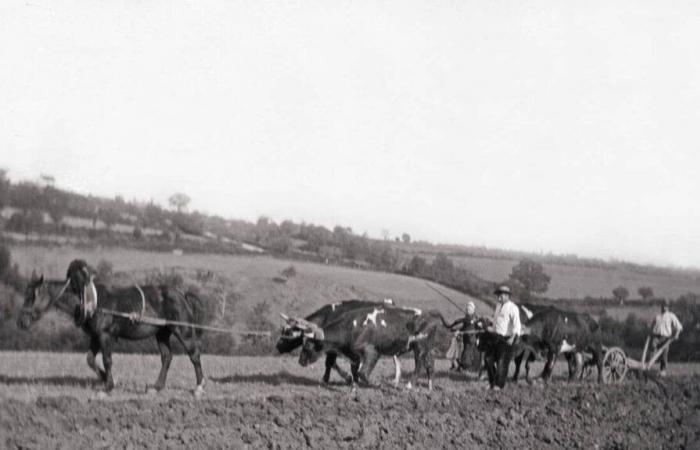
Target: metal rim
<point x="614" y="365"/>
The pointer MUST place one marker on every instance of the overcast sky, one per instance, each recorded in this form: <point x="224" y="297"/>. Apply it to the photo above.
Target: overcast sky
<point x="542" y="125"/>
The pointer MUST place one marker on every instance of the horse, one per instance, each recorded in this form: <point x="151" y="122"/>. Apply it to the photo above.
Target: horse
<point x="104" y="328"/>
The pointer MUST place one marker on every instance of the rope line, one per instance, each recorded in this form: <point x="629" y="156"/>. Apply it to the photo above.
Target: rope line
<point x="134" y="317"/>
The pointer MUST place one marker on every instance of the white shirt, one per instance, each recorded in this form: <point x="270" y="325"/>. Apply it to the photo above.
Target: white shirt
<point x="666" y="324"/>
<point x="506" y="319"/>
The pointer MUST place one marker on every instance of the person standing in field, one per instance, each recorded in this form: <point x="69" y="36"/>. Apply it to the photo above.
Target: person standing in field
<point x="456" y="350"/>
<point x="500" y="338"/>
<point x="664" y="327"/>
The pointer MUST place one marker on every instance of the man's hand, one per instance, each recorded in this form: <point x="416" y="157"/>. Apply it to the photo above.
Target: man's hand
<point x="511" y="340"/>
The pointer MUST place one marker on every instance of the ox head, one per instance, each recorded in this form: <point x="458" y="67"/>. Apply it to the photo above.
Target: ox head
<point x="300" y="332"/>
<point x="290" y="337"/>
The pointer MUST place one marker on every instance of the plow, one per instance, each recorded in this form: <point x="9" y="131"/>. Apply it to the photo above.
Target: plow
<point x="616" y="363"/>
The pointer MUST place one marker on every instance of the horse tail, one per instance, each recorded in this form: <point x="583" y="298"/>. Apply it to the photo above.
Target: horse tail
<point x="197" y="309"/>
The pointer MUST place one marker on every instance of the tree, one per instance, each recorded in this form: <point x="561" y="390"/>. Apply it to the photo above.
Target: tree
<point x="109" y="216"/>
<point x="179" y="201"/>
<point x="385" y="234"/>
<point x="406" y="238"/>
<point x="443" y="269"/>
<point x="56" y="204"/>
<point x="26" y="196"/>
<point x="5" y="261"/>
<point x="417" y="266"/>
<point x="531" y="276"/>
<point x="4" y="188"/>
<point x="152" y="215"/>
<point x="621" y="293"/>
<point x="646" y="292"/>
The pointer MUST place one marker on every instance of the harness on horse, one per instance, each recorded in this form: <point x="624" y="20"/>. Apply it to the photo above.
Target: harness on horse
<point x="143" y="304"/>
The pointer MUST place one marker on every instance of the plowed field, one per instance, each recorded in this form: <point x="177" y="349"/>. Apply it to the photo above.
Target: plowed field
<point x="52" y="401"/>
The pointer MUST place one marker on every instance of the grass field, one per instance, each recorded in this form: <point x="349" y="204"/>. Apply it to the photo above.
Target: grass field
<point x="252" y="278"/>
<point x="579" y="282"/>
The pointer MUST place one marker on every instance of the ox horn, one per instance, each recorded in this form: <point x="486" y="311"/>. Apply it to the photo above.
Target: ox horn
<point x="285" y="317"/>
<point x="310" y="329"/>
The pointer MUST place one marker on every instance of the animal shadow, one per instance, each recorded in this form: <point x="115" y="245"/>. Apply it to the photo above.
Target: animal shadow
<point x="67" y="380"/>
<point x="276" y="379"/>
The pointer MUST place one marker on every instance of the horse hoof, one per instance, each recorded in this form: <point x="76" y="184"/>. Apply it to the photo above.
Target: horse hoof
<point x="409" y="386"/>
<point x="102" y="395"/>
<point x="199" y="392"/>
<point x="151" y="390"/>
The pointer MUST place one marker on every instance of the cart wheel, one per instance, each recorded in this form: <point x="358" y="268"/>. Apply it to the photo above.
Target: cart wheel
<point x="614" y="365"/>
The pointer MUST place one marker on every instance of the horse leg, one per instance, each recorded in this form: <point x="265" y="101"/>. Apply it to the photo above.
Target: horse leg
<point x="166" y="356"/>
<point x="194" y="352"/>
<point x="92" y="353"/>
<point x="105" y="342"/>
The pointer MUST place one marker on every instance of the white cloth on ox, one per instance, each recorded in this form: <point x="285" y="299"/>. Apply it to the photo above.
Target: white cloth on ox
<point x="506" y="319"/>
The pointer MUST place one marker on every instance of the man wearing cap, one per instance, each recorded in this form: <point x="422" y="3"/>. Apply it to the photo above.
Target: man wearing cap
<point x="456" y="350"/>
<point x="501" y="337"/>
<point x="664" y="327"/>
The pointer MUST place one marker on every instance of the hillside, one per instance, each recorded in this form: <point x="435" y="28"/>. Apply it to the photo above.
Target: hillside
<point x="580" y="281"/>
<point x="43" y="215"/>
<point x="251" y="280"/>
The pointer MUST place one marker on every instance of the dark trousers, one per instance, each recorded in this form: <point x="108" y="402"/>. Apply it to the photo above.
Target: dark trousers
<point x="656" y="342"/>
<point x="497" y="356"/>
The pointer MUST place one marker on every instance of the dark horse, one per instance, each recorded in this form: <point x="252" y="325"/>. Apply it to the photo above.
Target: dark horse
<point x="104" y="329"/>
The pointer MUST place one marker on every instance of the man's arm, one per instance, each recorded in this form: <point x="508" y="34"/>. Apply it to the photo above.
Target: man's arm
<point x="677" y="327"/>
<point x="457" y="322"/>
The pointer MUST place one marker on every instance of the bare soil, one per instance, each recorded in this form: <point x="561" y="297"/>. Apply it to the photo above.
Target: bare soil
<point x="636" y="414"/>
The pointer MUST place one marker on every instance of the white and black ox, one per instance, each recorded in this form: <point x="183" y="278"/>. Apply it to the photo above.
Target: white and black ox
<point x="553" y="332"/>
<point x="365" y="334"/>
<point x="292" y="337"/>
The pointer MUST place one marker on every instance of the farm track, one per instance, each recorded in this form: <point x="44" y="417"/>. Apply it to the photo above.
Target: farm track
<point x="273" y="409"/>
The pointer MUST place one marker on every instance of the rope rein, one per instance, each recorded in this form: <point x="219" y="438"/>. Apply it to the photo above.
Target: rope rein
<point x="134" y="317"/>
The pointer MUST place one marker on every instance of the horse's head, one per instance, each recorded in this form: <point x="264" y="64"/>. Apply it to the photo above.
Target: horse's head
<point x="29" y="312"/>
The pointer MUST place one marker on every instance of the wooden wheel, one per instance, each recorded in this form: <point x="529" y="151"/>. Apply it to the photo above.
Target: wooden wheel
<point x="614" y="365"/>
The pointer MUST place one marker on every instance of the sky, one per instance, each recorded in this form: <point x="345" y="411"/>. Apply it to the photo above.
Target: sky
<point x="542" y="126"/>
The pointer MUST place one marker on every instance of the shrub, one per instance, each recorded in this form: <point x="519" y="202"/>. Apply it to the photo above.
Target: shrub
<point x="289" y="272"/>
<point x="105" y="271"/>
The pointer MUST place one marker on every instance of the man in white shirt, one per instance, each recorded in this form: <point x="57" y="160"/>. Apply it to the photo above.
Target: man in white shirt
<point x="501" y="337"/>
<point x="664" y="327"/>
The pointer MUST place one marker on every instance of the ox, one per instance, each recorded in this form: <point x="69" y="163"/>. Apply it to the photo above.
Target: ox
<point x="292" y="337"/>
<point x="554" y="332"/>
<point x="365" y="334"/>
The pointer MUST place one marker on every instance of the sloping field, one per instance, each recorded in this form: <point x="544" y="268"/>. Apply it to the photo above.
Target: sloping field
<point x="252" y="278"/>
<point x="50" y="401"/>
<point x="579" y="282"/>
